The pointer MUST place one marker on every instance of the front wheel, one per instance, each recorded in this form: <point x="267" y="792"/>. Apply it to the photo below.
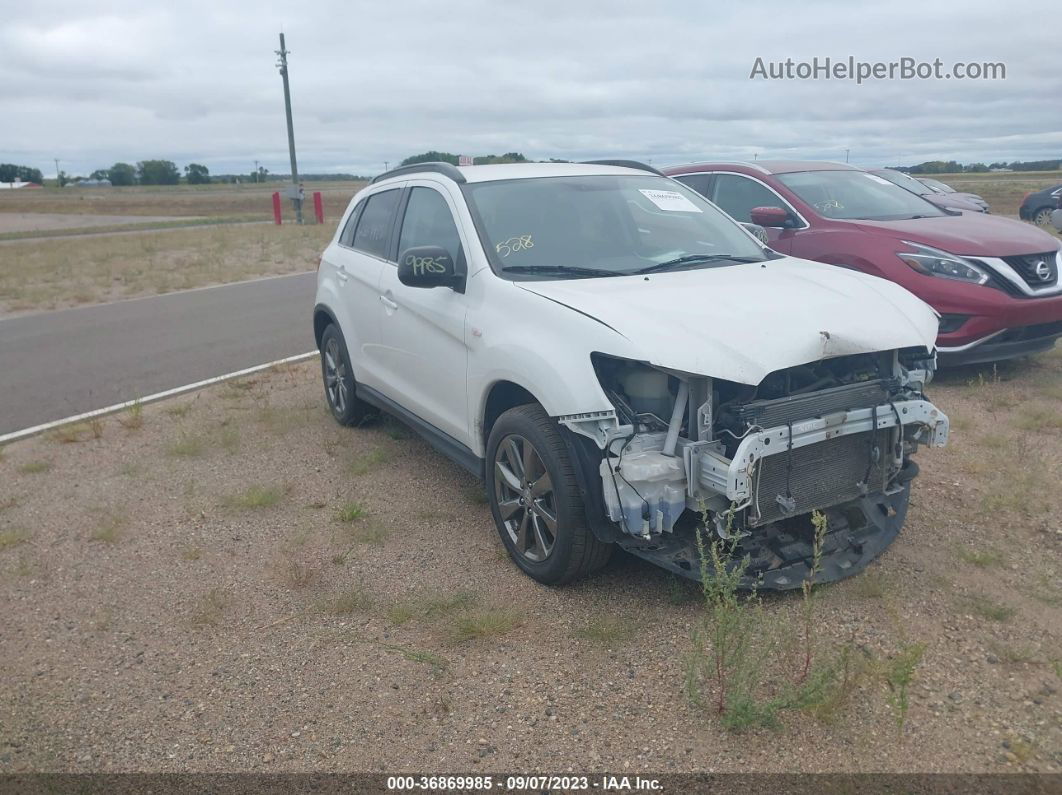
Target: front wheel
<point x="338" y="379"/>
<point x="535" y="499"/>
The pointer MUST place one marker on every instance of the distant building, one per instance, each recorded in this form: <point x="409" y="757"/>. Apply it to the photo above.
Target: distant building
<point x="17" y="184"/>
<point x="90" y="183"/>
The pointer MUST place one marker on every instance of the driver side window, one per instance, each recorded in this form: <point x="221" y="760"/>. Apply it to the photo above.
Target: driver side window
<point x="429" y="222"/>
<point x="736" y="196"/>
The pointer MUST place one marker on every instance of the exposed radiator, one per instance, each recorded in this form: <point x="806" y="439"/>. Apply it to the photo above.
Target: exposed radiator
<point x="771" y="413"/>
<point x="821" y="475"/>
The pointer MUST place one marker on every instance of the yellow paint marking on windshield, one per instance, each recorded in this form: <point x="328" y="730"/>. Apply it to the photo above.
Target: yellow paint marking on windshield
<point x="514" y="244"/>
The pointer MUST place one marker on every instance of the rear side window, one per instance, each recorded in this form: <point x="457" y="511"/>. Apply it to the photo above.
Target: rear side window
<point x="374" y="223"/>
<point x="347" y="238"/>
<point x="736" y="196"/>
<point x="699" y="182"/>
<point x="429" y="222"/>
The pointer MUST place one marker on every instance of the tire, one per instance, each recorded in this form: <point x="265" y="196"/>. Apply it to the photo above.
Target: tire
<point x="1042" y="217"/>
<point x="535" y="499"/>
<point x="338" y="378"/>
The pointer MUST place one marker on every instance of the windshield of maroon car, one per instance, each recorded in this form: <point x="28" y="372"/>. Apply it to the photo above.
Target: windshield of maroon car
<point x="857" y="195"/>
<point x="613" y="224"/>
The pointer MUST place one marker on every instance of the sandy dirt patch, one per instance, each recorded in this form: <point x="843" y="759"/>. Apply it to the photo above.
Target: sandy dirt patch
<point x="230" y="581"/>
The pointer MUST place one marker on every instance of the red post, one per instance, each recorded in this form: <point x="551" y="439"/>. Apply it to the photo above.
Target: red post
<point x="276" y="208"/>
<point x="318" y="207"/>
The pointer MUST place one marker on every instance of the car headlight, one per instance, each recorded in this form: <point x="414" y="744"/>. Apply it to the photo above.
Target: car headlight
<point x="932" y="262"/>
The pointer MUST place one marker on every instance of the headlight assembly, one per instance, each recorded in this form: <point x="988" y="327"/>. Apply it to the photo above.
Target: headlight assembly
<point x="932" y="262"/>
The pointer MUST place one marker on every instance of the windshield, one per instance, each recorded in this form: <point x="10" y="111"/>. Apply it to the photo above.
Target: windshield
<point x="857" y="195"/>
<point x="578" y="227"/>
<point x="904" y="181"/>
<point x="937" y="185"/>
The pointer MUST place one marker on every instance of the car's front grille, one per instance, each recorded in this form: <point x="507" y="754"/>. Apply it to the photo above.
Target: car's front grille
<point x="1030" y="333"/>
<point x="1038" y="270"/>
<point x="819" y="476"/>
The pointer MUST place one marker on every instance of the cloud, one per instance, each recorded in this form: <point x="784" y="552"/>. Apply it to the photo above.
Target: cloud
<point x="667" y="81"/>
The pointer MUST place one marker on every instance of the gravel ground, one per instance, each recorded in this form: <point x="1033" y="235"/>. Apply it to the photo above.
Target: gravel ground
<point x="182" y="594"/>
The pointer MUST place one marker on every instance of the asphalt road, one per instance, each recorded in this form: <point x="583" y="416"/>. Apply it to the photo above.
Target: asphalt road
<point x="57" y="364"/>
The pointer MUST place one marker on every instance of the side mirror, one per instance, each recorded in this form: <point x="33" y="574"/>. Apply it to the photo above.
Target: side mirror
<point x="428" y="266"/>
<point x="757" y="232"/>
<point x="770" y="216"/>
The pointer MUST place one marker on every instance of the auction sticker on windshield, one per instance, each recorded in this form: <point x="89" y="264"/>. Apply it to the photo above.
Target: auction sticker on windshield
<point x="670" y="200"/>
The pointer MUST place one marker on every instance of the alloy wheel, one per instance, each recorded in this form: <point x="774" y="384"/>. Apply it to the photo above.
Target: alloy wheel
<point x="523" y="493"/>
<point x="335" y="376"/>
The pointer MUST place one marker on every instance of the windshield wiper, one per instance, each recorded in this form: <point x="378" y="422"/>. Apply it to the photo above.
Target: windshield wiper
<point x="692" y="258"/>
<point x="563" y="270"/>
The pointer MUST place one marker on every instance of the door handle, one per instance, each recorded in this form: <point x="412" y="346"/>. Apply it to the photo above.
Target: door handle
<point x="341" y="274"/>
<point x="388" y="303"/>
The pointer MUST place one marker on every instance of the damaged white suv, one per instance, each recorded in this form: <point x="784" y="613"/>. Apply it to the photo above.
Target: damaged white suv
<point x="621" y="362"/>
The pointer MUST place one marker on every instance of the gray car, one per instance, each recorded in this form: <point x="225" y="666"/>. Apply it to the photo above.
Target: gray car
<point x="949" y="201"/>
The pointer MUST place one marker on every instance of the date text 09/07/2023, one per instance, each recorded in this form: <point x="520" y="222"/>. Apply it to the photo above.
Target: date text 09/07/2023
<point x="604" y="783"/>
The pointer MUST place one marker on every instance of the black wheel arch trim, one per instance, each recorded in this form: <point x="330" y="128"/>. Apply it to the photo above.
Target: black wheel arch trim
<point x="318" y="310"/>
<point x="586" y="460"/>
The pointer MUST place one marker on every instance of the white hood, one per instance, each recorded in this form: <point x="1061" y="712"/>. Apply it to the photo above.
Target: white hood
<point x="741" y="322"/>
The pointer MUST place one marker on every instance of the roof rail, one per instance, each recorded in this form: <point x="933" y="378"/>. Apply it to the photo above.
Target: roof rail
<point x="446" y="169"/>
<point x="623" y="164"/>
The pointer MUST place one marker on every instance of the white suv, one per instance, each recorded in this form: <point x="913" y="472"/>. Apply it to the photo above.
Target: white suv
<point x="621" y="362"/>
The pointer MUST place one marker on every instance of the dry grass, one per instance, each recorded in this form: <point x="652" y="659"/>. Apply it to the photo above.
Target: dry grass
<point x="78" y="431"/>
<point x="187" y="446"/>
<point x="1002" y="190"/>
<point x="607" y="630"/>
<point x="986" y="607"/>
<point x="13" y="537"/>
<point x="210" y="607"/>
<point x="351" y="512"/>
<point x="36" y="274"/>
<point x="110" y="526"/>
<point x="482" y="623"/>
<point x="350" y="601"/>
<point x="293" y="572"/>
<point x="371" y="461"/>
<point x="982" y="558"/>
<point x="36" y="467"/>
<point x="212" y="201"/>
<point x="255" y="498"/>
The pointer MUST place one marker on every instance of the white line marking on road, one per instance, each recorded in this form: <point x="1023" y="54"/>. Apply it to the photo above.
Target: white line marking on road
<point x="14" y="436"/>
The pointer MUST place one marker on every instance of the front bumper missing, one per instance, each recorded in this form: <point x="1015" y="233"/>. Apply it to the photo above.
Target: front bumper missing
<point x="780" y="555"/>
<point x="708" y="470"/>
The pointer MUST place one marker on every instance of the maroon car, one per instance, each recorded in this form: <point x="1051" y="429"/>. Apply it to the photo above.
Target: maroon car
<point x="994" y="281"/>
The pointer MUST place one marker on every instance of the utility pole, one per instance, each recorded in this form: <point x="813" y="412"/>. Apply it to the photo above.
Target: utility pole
<point x="846" y="155"/>
<point x="255" y="172"/>
<point x="387" y="165"/>
<point x="58" y="181"/>
<point x="282" y="65"/>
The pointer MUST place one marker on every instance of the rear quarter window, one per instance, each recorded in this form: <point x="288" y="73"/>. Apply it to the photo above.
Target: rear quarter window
<point x="373" y="229"/>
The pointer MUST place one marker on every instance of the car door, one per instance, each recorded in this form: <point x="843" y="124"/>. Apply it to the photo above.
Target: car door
<point x="422" y="350"/>
<point x="358" y="260"/>
<point x="737" y="194"/>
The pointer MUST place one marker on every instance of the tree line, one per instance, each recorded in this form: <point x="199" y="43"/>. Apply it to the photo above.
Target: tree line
<point x="448" y="157"/>
<point x="152" y="172"/>
<point x="954" y="167"/>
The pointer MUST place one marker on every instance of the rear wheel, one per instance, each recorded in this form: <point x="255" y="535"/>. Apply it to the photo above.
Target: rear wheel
<point x="1042" y="217"/>
<point x="535" y="499"/>
<point x="338" y="379"/>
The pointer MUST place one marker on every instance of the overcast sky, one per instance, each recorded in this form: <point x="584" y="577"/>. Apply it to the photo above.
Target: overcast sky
<point x="92" y="83"/>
